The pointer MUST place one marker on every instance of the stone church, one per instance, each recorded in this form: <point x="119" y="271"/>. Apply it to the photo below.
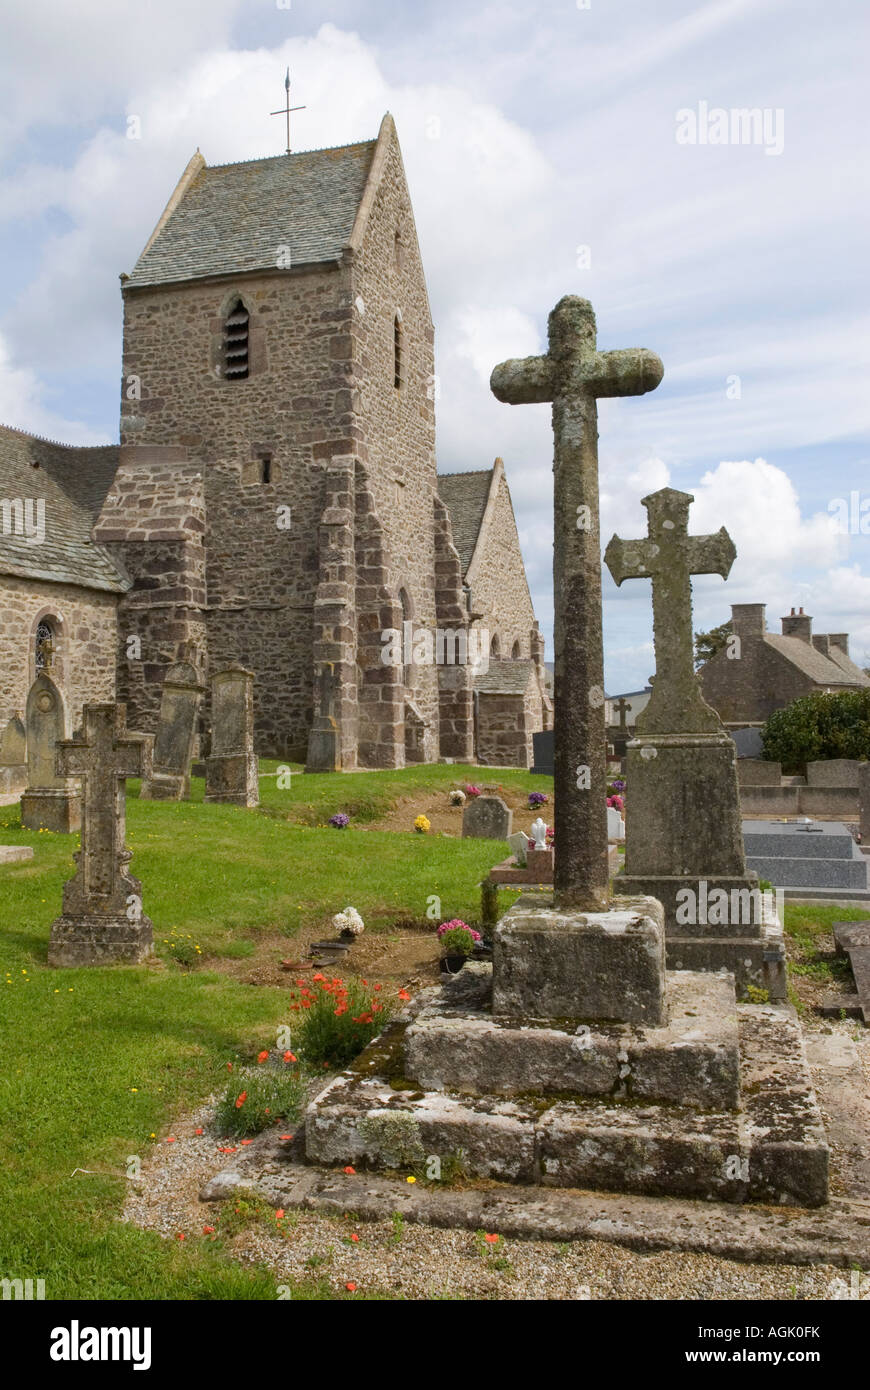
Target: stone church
<point x="274" y="499"/>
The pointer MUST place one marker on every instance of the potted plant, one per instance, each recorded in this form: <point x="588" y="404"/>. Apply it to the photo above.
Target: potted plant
<point x="458" y="940"/>
<point x="348" y="924"/>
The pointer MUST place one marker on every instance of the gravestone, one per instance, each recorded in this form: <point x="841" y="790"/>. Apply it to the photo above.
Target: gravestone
<point x="809" y="859"/>
<point x="50" y="801"/>
<point x="748" y="743"/>
<point x="833" y="772"/>
<point x="487" y="818"/>
<point x="231" y="767"/>
<point x="176" y="732"/>
<point x="615" y="825"/>
<point x="543" y="752"/>
<point x="853" y="939"/>
<point x="683" y="831"/>
<point x="102" y="919"/>
<point x="13" y="757"/>
<point x="519" y="843"/>
<point x="324" y="742"/>
<point x="864" y="805"/>
<point x="577" y="1059"/>
<point x="757" y="772"/>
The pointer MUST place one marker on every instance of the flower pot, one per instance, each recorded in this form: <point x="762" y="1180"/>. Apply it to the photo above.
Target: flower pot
<point x="347" y="935"/>
<point x="452" y="964"/>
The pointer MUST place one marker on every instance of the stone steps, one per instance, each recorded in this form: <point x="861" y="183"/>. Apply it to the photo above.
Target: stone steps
<point x="772" y="1148"/>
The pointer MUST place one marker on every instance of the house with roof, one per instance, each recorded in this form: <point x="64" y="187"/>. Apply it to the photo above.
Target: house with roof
<point x="747" y="679"/>
<point x="273" y="501"/>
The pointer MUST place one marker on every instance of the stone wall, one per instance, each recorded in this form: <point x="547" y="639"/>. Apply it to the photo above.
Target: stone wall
<point x="505" y="725"/>
<point x="86" y="638"/>
<point x="748" y="688"/>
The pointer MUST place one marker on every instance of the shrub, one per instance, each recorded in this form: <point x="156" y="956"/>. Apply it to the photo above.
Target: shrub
<point x="817" y="727"/>
<point x="339" y="1019"/>
<point x="253" y="1100"/>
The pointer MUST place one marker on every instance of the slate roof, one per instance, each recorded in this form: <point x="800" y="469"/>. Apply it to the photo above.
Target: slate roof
<point x="465" y="496"/>
<point x="820" y="669"/>
<point x="73" y="482"/>
<point x="234" y="217"/>
<point x="505" y="678"/>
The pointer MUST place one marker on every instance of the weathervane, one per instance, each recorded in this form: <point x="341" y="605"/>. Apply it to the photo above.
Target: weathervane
<point x="285" y="110"/>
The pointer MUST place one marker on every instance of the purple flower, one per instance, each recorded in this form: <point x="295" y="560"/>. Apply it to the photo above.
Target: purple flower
<point x="537" y="799"/>
<point x="340" y="821"/>
<point x="618" y="785"/>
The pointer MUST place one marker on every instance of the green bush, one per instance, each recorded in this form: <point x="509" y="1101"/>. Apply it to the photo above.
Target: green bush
<point x="817" y="727"/>
<point x="339" y="1019"/>
<point x="254" y="1100"/>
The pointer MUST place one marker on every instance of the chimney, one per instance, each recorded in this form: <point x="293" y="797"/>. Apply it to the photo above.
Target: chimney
<point x="747" y="620"/>
<point x="840" y="640"/>
<point x="822" y="643"/>
<point x="798" y="624"/>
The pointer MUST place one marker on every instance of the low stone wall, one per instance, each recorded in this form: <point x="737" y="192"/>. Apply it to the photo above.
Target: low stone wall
<point x="830" y="788"/>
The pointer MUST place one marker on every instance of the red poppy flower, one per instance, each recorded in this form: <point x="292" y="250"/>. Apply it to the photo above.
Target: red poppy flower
<point x="491" y="1240"/>
<point x="365" y="982"/>
<point x="262" y="1056"/>
<point x="207" y="1230"/>
<point x="247" y="1141"/>
<point x="229" y="1066"/>
<point x="355" y="1238"/>
<point x="226" y="1148"/>
<point x="377" y="986"/>
<point x="285" y="1136"/>
<point x="351" y="1287"/>
<point x="179" y="1235"/>
<point x="279" y="1214"/>
<point x="403" y="994"/>
<point x="170" y="1139"/>
<point x="288" y="1057"/>
<point x="318" y="976"/>
<point x="301" y="984"/>
<point x="241" y="1100"/>
<point x="350" y="1170"/>
<point x="197" y="1131"/>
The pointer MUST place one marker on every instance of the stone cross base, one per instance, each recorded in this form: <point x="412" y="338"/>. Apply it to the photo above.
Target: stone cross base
<point x="165" y="786"/>
<point x="562" y="964"/>
<point x="51" y="810"/>
<point x="718" y="924"/>
<point x="97" y="939"/>
<point x="232" y="777"/>
<point x="717" y="1102"/>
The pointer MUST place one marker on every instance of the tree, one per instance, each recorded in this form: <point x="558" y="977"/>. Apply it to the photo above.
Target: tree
<point x="707" y="644"/>
<point x="817" y="727"/>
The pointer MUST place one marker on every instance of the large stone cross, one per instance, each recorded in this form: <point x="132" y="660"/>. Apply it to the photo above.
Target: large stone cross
<point x="573" y="374"/>
<point x="669" y="556"/>
<point x="104" y="757"/>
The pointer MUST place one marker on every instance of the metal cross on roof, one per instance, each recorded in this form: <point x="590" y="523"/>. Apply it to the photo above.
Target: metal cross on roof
<point x="287" y="108"/>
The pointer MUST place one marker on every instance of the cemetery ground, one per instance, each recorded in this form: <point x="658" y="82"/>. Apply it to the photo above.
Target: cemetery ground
<point x="107" y="1064"/>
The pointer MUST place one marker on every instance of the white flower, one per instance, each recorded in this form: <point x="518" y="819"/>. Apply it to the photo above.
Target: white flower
<point x="457" y="797"/>
<point x="349" y="920"/>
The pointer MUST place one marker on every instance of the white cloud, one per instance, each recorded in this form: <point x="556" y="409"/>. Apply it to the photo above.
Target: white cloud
<point x="23" y="406"/>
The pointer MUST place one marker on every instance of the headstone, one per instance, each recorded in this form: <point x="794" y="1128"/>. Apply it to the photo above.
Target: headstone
<point x="543" y="752"/>
<point x="13" y="757"/>
<point x="324" y="744"/>
<point x="748" y="743"/>
<point x="487" y="818"/>
<point x="572" y="375"/>
<point x="683" y="830"/>
<point x="756" y="772"/>
<point x="864" y="804"/>
<point x="833" y="772"/>
<point x="102" y="919"/>
<point x="809" y="859"/>
<point x="615" y="825"/>
<point x="519" y="843"/>
<point x="853" y="939"/>
<point x="50" y="801"/>
<point x="176" y="731"/>
<point x="231" y="767"/>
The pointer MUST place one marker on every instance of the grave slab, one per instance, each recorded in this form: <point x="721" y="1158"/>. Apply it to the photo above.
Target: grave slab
<point x="15" y="854"/>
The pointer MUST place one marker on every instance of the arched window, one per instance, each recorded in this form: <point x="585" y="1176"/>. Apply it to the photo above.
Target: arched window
<point x="398" y="353"/>
<point x="495" y="646"/>
<point x="45" y="646"/>
<point x="515" y="651"/>
<point x="235" y="344"/>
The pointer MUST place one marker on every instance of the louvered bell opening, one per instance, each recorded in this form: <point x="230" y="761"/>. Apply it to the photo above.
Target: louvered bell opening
<point x="236" y="344"/>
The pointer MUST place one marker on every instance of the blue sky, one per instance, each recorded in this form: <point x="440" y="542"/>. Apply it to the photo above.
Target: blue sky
<point x="541" y="147"/>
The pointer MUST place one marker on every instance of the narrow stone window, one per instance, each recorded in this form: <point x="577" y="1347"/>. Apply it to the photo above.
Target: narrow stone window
<point x="266" y="468"/>
<point x="236" y="343"/>
<point x="515" y="651"/>
<point x="45" y="647"/>
<point x="495" y="646"/>
<point x="398" y="354"/>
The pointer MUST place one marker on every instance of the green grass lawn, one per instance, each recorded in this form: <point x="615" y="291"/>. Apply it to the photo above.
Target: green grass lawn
<point x="93" y="1063"/>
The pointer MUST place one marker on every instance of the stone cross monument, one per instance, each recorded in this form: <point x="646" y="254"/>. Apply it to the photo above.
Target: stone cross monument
<point x="573" y="374"/>
<point x="683" y="833"/>
<point x="102" y="918"/>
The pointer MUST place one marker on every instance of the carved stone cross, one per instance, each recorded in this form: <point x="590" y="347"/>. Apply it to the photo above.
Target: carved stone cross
<point x="622" y="707"/>
<point x="573" y="374"/>
<point x="669" y="556"/>
<point x="104" y="757"/>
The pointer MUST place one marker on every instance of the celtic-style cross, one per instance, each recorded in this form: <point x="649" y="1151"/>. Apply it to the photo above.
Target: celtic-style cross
<point x="622" y="707"/>
<point x="104" y="757"/>
<point x="669" y="556"/>
<point x="573" y="374"/>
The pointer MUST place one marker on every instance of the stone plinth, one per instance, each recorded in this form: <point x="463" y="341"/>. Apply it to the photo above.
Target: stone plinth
<point x="47" y="809"/>
<point x="551" y="963"/>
